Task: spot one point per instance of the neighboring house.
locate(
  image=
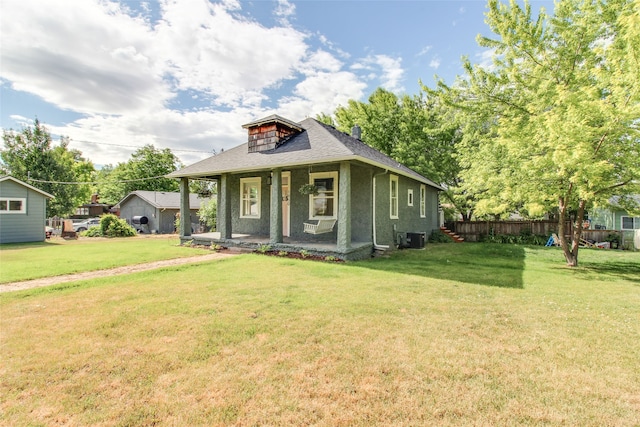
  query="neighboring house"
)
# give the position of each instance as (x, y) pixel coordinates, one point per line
(364, 199)
(618, 219)
(92, 209)
(155, 211)
(22, 211)
(615, 217)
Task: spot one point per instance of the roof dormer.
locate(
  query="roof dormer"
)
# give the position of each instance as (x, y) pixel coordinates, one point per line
(270, 132)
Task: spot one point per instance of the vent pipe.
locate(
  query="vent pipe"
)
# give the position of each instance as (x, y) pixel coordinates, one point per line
(356, 132)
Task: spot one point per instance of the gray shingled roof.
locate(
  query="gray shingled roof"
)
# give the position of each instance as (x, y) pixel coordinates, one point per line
(163, 199)
(318, 143)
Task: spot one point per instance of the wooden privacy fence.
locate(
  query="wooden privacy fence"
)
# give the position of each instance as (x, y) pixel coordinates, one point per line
(472, 230)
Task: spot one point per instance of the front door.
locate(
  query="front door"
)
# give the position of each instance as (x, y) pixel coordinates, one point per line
(286, 192)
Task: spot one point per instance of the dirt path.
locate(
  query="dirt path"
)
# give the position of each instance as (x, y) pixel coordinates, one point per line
(47, 281)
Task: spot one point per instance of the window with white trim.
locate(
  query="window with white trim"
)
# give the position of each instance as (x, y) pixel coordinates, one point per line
(13, 205)
(630, 223)
(423, 201)
(250, 197)
(393, 196)
(324, 205)
(410, 197)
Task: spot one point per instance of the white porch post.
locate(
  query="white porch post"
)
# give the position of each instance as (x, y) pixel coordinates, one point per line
(185, 209)
(344, 207)
(275, 224)
(223, 222)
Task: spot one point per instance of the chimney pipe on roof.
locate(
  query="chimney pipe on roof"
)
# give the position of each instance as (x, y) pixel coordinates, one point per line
(356, 132)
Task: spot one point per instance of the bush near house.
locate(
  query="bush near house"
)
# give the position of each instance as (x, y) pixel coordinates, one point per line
(111, 226)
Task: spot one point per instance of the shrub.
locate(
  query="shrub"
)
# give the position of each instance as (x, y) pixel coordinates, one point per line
(437, 236)
(523, 238)
(263, 249)
(92, 232)
(208, 213)
(112, 226)
(106, 221)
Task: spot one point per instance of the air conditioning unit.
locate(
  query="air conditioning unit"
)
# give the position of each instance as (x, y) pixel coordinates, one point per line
(416, 240)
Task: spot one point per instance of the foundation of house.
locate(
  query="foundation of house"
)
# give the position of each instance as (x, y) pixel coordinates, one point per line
(357, 251)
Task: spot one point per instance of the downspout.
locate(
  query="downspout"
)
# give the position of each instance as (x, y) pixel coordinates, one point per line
(375, 242)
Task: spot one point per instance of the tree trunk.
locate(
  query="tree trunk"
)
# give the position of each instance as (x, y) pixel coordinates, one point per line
(570, 252)
(576, 234)
(572, 260)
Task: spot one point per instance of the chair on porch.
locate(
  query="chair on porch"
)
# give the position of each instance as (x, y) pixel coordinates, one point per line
(323, 226)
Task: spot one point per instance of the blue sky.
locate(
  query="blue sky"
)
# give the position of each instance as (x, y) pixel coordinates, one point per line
(187, 74)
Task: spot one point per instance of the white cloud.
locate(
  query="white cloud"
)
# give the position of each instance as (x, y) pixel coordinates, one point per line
(80, 56)
(320, 60)
(284, 10)
(392, 72)
(435, 62)
(183, 132)
(322, 92)
(425, 50)
(128, 76)
(227, 56)
(485, 58)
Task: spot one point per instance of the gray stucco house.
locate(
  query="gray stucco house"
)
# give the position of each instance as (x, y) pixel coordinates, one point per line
(22, 211)
(159, 208)
(359, 200)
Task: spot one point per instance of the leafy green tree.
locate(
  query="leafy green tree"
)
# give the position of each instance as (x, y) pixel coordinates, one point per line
(144, 171)
(326, 119)
(208, 212)
(379, 119)
(563, 98)
(30, 156)
(203, 188)
(418, 131)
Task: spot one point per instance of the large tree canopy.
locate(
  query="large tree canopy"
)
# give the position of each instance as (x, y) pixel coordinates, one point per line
(417, 131)
(30, 156)
(563, 98)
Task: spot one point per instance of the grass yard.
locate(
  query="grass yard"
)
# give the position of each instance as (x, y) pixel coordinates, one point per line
(471, 334)
(57, 256)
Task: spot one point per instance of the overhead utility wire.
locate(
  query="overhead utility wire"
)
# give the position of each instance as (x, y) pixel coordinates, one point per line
(94, 182)
(137, 146)
(106, 182)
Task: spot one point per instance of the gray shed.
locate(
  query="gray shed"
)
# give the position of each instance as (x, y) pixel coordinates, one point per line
(22, 211)
(155, 211)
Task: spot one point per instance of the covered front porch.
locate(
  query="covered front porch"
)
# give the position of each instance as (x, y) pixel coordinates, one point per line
(258, 209)
(356, 251)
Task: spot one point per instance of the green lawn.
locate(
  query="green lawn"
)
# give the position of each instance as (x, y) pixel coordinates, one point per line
(470, 334)
(58, 256)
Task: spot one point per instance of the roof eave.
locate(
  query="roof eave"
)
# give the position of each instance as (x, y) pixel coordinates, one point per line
(31, 187)
(399, 171)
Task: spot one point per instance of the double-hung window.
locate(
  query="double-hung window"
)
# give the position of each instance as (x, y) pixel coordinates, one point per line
(630, 223)
(324, 204)
(423, 201)
(13, 205)
(250, 197)
(393, 196)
